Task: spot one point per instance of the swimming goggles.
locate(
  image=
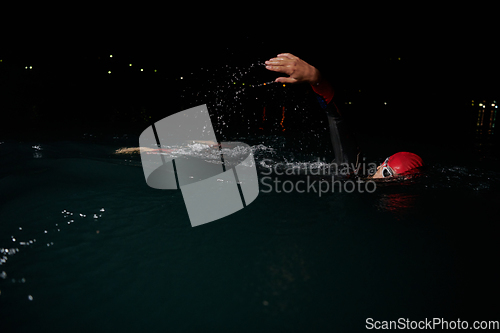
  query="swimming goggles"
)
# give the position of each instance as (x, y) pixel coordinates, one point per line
(386, 170)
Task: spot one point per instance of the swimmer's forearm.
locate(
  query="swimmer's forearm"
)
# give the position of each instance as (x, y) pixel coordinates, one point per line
(323, 88)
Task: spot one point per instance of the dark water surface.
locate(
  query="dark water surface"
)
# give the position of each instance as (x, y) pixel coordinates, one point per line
(87, 246)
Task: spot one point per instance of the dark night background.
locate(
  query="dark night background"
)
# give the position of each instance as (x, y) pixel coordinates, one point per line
(427, 70)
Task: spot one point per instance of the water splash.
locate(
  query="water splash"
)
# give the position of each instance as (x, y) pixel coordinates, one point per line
(26, 238)
(236, 95)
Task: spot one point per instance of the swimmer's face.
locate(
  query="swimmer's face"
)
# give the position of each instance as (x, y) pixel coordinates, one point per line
(384, 171)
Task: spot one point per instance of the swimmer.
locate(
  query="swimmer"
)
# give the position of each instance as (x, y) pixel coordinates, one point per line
(402, 163)
(344, 145)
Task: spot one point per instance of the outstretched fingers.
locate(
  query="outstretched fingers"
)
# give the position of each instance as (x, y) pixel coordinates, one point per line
(287, 55)
(278, 67)
(286, 80)
(285, 63)
(297, 69)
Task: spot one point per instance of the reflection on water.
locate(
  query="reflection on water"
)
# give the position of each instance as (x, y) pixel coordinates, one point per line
(267, 122)
(404, 198)
(484, 140)
(399, 204)
(486, 116)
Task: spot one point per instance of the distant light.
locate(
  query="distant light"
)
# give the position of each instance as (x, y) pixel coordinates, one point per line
(181, 77)
(111, 56)
(142, 70)
(109, 72)
(480, 104)
(264, 84)
(129, 65)
(493, 104)
(156, 70)
(399, 58)
(385, 103)
(242, 84)
(26, 67)
(1, 60)
(284, 85)
(31, 67)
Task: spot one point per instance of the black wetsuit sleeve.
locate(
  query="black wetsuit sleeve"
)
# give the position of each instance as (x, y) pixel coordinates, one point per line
(343, 141)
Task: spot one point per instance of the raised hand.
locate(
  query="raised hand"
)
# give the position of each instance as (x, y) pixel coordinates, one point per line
(297, 69)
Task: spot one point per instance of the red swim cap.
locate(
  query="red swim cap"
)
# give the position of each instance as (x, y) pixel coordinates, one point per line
(403, 162)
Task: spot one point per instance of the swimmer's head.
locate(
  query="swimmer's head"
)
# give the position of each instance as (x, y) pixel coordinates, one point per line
(398, 164)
